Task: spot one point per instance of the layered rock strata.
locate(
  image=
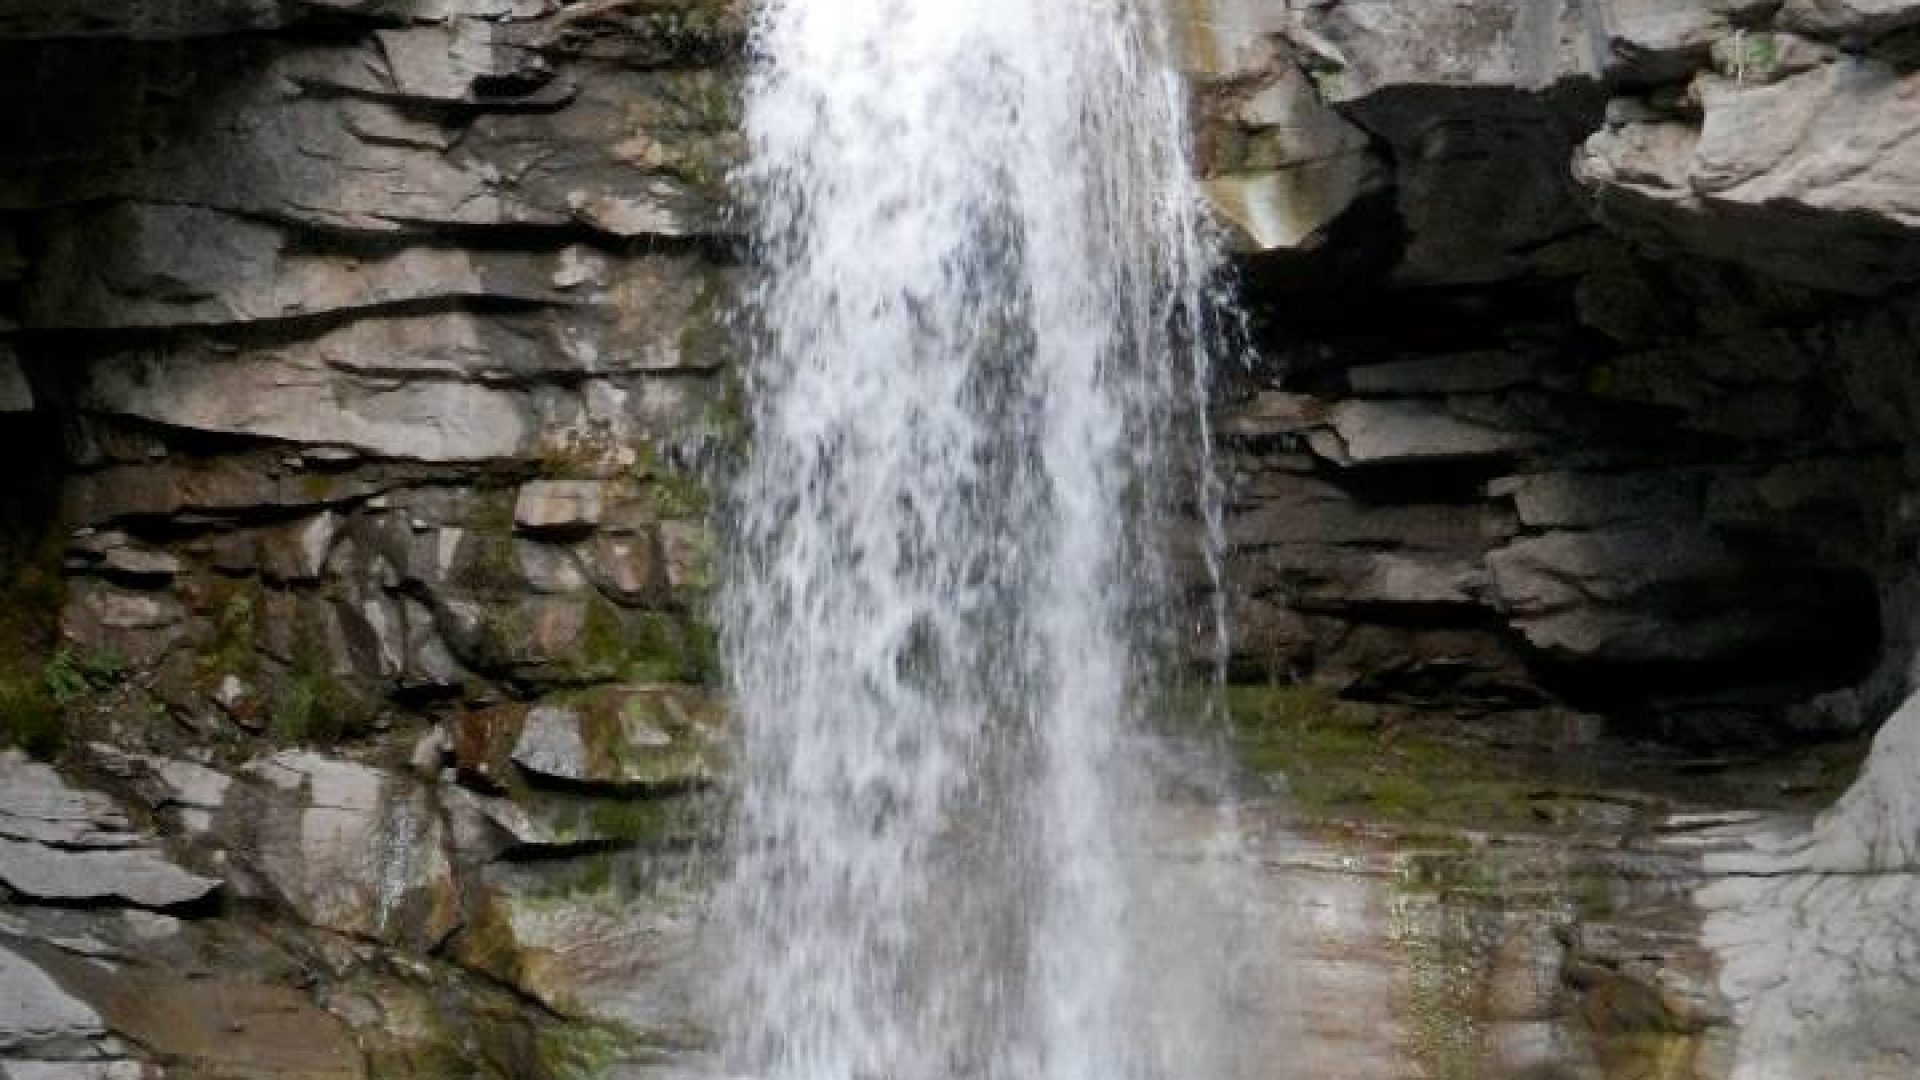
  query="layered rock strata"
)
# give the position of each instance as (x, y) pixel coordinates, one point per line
(1583, 337)
(365, 377)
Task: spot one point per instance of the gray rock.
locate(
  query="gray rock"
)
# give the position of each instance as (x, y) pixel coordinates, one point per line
(1507, 44)
(141, 877)
(38, 807)
(1660, 592)
(160, 266)
(1287, 209)
(1804, 178)
(1224, 39)
(558, 506)
(297, 553)
(623, 954)
(1815, 931)
(1478, 102)
(551, 745)
(1853, 21)
(1305, 166)
(1399, 432)
(626, 568)
(114, 554)
(206, 1023)
(1651, 41)
(428, 661)
(194, 792)
(454, 63)
(624, 738)
(293, 399)
(351, 849)
(35, 1010)
(77, 1070)
(549, 568)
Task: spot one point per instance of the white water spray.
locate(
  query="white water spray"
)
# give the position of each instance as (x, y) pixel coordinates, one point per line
(976, 397)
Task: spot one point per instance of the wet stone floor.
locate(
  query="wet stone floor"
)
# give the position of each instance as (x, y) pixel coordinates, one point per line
(1456, 907)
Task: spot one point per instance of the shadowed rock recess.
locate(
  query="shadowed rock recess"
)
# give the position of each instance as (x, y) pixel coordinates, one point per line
(366, 377)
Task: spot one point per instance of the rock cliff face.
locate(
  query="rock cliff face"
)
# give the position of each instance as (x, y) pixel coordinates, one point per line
(1584, 373)
(363, 364)
(365, 378)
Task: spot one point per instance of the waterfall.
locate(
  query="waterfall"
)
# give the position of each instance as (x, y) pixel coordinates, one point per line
(979, 360)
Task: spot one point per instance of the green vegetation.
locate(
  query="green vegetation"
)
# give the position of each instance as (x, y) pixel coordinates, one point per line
(33, 703)
(34, 592)
(1327, 81)
(488, 565)
(583, 452)
(677, 495)
(581, 1051)
(318, 707)
(1339, 756)
(73, 676)
(29, 719)
(641, 647)
(635, 821)
(1748, 55)
(235, 627)
(702, 653)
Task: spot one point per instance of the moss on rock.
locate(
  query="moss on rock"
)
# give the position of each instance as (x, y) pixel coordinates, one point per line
(1337, 756)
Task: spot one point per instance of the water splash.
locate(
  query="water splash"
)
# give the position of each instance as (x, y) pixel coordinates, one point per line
(976, 401)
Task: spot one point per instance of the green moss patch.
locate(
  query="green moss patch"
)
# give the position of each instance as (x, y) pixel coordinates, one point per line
(1338, 757)
(317, 707)
(34, 592)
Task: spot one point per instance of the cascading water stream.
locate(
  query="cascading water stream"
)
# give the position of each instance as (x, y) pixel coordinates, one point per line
(979, 361)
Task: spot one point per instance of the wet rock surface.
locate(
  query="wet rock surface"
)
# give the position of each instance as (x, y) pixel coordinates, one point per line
(365, 375)
(1459, 906)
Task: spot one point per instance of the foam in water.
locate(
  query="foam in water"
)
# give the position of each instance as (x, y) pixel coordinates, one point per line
(974, 397)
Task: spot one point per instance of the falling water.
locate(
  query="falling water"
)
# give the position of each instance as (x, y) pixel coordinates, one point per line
(975, 393)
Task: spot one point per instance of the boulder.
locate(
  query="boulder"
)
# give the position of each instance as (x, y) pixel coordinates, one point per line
(626, 568)
(1224, 39)
(602, 944)
(1402, 432)
(1812, 928)
(197, 791)
(623, 739)
(37, 1015)
(350, 848)
(558, 507)
(297, 553)
(1299, 168)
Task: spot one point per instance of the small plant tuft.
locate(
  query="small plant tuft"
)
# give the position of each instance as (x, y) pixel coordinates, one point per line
(73, 676)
